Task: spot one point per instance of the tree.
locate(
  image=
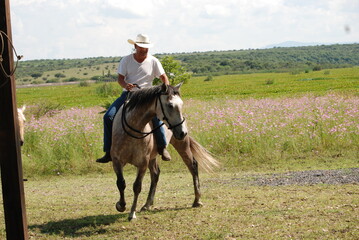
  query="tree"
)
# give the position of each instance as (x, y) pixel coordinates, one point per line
(36, 75)
(60, 75)
(174, 70)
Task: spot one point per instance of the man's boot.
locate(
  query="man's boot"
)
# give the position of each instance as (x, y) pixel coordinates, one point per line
(165, 154)
(105, 159)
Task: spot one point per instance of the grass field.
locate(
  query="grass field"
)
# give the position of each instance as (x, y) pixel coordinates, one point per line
(288, 123)
(254, 124)
(82, 73)
(83, 207)
(245, 86)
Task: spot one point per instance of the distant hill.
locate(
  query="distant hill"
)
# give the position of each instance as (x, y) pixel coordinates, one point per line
(273, 59)
(277, 59)
(294, 44)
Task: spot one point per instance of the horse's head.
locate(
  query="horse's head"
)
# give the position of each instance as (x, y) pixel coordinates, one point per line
(169, 110)
(21, 119)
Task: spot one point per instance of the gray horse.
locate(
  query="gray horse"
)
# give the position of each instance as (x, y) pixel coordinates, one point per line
(133, 143)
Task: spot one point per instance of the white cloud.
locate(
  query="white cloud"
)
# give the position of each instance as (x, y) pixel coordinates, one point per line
(217, 10)
(90, 28)
(26, 2)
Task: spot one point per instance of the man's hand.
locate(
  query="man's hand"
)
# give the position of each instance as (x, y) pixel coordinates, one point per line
(129, 86)
(164, 79)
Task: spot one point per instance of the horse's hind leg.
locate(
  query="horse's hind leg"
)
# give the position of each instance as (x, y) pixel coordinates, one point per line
(184, 150)
(193, 167)
(137, 187)
(121, 185)
(155, 174)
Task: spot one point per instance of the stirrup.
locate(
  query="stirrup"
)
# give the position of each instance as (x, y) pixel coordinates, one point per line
(165, 154)
(105, 159)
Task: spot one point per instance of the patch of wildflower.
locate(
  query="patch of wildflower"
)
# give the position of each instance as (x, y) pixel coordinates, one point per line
(258, 128)
(305, 123)
(67, 141)
(74, 121)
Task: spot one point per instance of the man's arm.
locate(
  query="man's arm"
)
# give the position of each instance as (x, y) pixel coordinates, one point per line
(123, 83)
(121, 80)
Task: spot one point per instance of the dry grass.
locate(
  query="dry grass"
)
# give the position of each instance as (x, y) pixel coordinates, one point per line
(82, 207)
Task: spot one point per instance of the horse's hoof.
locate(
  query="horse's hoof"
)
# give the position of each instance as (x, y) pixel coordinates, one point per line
(120, 208)
(132, 216)
(197, 204)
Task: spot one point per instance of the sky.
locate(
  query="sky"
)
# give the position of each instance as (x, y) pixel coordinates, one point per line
(63, 29)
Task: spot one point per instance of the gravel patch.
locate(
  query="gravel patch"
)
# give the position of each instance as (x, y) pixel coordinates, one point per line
(339, 176)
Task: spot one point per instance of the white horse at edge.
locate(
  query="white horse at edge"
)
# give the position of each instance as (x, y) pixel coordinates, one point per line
(21, 120)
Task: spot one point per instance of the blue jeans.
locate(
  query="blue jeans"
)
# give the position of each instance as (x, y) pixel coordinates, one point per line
(110, 115)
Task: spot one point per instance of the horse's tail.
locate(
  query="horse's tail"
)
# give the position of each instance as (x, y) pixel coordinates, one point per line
(205, 159)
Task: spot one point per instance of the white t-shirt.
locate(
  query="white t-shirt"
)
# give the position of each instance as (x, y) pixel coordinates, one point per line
(143, 73)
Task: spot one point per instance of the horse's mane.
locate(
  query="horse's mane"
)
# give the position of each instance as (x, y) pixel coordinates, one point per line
(146, 96)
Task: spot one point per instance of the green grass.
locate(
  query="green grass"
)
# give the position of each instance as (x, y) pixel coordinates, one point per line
(221, 87)
(67, 96)
(79, 202)
(284, 85)
(83, 207)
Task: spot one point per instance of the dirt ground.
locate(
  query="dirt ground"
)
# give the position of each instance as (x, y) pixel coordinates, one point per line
(339, 176)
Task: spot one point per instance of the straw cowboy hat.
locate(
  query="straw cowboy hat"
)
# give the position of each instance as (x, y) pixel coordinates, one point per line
(142, 40)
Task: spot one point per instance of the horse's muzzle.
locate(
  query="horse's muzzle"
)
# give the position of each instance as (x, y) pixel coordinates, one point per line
(179, 135)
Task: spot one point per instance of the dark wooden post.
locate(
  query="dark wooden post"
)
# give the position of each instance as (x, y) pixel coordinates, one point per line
(10, 155)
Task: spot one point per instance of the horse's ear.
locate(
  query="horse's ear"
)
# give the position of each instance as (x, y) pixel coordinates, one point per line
(22, 109)
(164, 88)
(177, 87)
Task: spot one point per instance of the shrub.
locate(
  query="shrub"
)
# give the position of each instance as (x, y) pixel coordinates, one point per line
(52, 81)
(72, 79)
(37, 82)
(317, 68)
(109, 78)
(96, 78)
(44, 108)
(209, 78)
(269, 81)
(295, 72)
(36, 75)
(107, 89)
(175, 71)
(108, 102)
(60, 75)
(84, 84)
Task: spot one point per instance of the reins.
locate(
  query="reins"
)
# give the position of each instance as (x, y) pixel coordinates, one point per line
(145, 134)
(165, 117)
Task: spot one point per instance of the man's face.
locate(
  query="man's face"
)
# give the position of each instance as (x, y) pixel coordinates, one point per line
(141, 51)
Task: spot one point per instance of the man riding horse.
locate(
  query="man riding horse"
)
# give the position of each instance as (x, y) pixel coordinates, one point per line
(136, 71)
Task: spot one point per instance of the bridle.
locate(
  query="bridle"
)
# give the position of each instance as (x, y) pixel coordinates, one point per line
(165, 117)
(145, 134)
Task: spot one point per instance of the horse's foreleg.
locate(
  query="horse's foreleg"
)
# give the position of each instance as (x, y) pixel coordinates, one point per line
(121, 185)
(137, 187)
(184, 150)
(155, 174)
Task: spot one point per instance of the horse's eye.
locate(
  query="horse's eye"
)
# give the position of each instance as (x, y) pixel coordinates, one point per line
(170, 106)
